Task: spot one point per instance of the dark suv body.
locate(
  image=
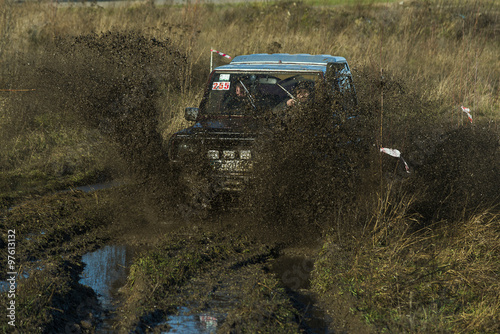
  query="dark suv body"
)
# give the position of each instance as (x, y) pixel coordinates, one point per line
(217, 151)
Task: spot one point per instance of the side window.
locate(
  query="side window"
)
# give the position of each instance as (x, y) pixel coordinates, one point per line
(338, 77)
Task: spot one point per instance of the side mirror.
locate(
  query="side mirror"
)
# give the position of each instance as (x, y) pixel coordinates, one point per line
(191, 114)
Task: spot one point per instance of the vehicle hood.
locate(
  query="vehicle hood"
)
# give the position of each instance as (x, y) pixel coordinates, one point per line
(225, 124)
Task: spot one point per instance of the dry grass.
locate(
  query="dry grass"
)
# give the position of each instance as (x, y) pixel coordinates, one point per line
(449, 47)
(416, 64)
(442, 278)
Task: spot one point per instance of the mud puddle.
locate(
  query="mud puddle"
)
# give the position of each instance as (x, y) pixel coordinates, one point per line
(217, 295)
(98, 186)
(215, 313)
(186, 322)
(106, 272)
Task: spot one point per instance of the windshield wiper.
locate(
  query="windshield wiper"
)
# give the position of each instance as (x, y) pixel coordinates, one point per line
(289, 94)
(250, 98)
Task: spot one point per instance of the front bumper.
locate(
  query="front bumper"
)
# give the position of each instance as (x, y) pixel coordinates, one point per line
(231, 175)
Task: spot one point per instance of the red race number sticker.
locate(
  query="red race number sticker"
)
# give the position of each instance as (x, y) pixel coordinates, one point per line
(221, 86)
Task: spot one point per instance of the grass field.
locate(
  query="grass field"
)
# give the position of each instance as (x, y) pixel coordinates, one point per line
(85, 91)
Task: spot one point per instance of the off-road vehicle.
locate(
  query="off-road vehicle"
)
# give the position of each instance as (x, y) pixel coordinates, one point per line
(216, 154)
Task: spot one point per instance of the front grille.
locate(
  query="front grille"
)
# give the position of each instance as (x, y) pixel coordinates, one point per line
(231, 160)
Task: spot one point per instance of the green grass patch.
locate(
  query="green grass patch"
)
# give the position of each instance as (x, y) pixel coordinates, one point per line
(166, 275)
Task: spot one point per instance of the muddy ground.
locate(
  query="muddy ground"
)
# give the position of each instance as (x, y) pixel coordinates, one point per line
(248, 270)
(224, 272)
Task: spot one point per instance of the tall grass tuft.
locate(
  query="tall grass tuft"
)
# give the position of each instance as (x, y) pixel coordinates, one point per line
(441, 278)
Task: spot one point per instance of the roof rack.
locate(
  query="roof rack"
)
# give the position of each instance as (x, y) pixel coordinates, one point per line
(286, 58)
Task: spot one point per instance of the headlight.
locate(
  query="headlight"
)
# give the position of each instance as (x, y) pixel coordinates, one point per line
(181, 149)
(245, 155)
(186, 147)
(229, 155)
(213, 154)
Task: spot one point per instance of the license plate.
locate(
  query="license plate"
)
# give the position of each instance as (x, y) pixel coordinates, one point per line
(234, 166)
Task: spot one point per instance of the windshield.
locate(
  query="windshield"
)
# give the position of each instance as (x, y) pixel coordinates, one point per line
(246, 93)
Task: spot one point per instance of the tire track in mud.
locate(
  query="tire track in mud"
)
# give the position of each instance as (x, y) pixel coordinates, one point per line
(219, 287)
(216, 272)
(225, 285)
(233, 285)
(53, 232)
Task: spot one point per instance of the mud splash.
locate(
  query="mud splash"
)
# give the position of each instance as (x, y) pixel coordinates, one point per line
(112, 82)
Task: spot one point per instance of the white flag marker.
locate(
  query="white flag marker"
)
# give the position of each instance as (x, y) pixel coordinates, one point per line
(392, 152)
(396, 154)
(221, 54)
(467, 111)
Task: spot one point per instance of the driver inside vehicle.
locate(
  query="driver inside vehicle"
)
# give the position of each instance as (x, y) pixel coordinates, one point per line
(238, 99)
(302, 94)
(283, 114)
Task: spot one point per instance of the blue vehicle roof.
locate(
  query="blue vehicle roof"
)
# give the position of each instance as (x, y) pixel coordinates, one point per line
(281, 62)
